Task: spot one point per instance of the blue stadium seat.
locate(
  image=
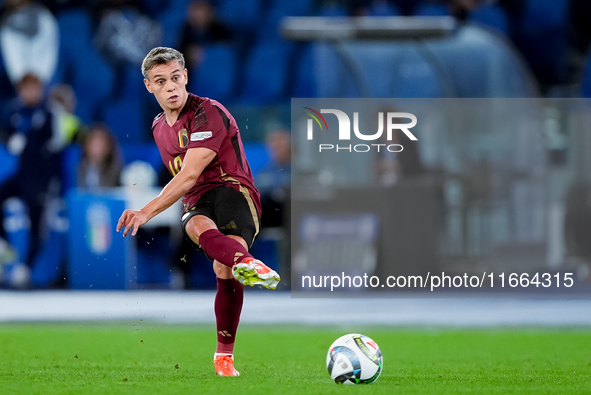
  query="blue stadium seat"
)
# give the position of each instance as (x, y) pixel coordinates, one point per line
(133, 87)
(257, 156)
(383, 8)
(147, 152)
(250, 122)
(266, 72)
(416, 78)
(333, 9)
(215, 77)
(267, 251)
(126, 120)
(491, 16)
(240, 14)
(71, 157)
(394, 70)
(332, 78)
(153, 269)
(305, 85)
(269, 30)
(93, 82)
(541, 15)
(172, 21)
(432, 9)
(294, 8)
(75, 32)
(155, 7)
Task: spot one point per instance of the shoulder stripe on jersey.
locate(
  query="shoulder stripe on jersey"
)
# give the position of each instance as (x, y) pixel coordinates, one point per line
(156, 119)
(234, 139)
(236, 145)
(224, 118)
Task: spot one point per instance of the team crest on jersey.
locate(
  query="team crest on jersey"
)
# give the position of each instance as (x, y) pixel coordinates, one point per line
(183, 138)
(198, 136)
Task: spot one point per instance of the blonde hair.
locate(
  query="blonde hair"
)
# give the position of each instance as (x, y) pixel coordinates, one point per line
(161, 55)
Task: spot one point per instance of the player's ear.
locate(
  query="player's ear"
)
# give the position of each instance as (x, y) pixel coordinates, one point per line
(186, 73)
(147, 84)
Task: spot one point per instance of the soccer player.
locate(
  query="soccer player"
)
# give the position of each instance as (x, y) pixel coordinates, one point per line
(200, 145)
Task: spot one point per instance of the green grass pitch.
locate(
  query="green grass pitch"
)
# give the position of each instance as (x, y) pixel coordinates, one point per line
(146, 358)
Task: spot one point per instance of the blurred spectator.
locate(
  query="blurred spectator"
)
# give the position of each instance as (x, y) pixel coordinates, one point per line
(29, 134)
(63, 101)
(274, 180)
(460, 9)
(201, 28)
(124, 33)
(100, 166)
(29, 40)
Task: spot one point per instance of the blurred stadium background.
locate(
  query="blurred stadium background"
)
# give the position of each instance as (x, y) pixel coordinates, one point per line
(238, 54)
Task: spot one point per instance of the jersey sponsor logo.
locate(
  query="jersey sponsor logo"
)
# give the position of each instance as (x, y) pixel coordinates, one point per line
(183, 138)
(198, 136)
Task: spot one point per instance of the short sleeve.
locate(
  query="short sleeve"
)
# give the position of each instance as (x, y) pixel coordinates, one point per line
(207, 128)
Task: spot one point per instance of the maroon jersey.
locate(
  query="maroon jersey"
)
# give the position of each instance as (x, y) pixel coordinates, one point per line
(206, 123)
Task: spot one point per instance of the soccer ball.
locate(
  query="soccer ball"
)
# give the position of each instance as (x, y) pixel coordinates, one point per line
(354, 359)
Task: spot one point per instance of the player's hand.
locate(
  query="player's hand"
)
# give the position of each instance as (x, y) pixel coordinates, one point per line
(132, 219)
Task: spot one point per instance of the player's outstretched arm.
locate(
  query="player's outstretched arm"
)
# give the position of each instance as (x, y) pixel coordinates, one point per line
(195, 161)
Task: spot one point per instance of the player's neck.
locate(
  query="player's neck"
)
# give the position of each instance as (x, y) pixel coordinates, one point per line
(172, 115)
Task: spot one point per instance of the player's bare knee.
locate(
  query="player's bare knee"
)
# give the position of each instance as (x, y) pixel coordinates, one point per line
(197, 225)
(192, 232)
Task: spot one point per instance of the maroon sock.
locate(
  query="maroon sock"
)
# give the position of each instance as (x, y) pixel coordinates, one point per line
(227, 306)
(222, 248)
